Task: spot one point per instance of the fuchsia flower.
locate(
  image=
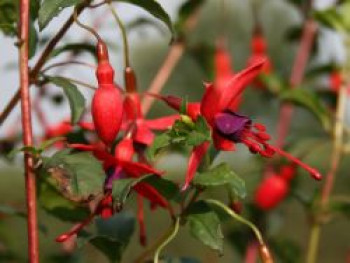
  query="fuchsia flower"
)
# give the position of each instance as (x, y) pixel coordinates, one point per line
(121, 166)
(142, 132)
(219, 108)
(275, 188)
(117, 167)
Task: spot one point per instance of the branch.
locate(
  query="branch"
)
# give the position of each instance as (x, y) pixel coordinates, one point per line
(173, 57)
(39, 64)
(297, 75)
(33, 244)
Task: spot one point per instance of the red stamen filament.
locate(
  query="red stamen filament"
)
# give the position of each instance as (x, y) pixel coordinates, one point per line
(313, 172)
(141, 220)
(75, 229)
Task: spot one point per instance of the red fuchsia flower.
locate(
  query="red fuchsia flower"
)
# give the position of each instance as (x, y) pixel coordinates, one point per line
(258, 53)
(219, 108)
(117, 167)
(275, 188)
(121, 166)
(107, 109)
(335, 80)
(142, 132)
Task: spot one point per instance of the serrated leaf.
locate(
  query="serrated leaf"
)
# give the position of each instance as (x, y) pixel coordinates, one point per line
(219, 175)
(52, 201)
(165, 187)
(159, 142)
(51, 8)
(310, 101)
(120, 226)
(190, 133)
(79, 174)
(109, 246)
(122, 188)
(155, 9)
(75, 98)
(205, 225)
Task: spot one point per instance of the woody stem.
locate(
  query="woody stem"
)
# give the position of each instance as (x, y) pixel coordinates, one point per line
(30, 180)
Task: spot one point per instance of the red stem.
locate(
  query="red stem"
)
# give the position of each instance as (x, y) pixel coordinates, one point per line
(39, 64)
(33, 244)
(296, 78)
(251, 254)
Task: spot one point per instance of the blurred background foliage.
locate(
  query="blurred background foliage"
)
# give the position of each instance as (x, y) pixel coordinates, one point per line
(287, 227)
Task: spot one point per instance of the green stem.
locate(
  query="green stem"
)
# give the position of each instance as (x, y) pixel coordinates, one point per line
(123, 32)
(313, 243)
(338, 134)
(167, 240)
(153, 247)
(238, 218)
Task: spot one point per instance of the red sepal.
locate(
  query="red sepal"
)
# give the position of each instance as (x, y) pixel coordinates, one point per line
(195, 159)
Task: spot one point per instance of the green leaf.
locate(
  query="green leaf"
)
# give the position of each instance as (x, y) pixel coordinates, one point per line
(8, 17)
(33, 39)
(286, 250)
(25, 149)
(184, 131)
(179, 260)
(78, 174)
(314, 72)
(340, 206)
(11, 211)
(51, 8)
(9, 11)
(155, 9)
(273, 83)
(205, 225)
(310, 101)
(109, 246)
(160, 141)
(122, 188)
(75, 98)
(120, 226)
(50, 142)
(52, 201)
(75, 48)
(113, 235)
(203, 55)
(220, 175)
(165, 187)
(185, 10)
(331, 18)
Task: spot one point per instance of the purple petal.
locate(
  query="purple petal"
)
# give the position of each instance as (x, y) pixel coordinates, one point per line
(229, 123)
(115, 174)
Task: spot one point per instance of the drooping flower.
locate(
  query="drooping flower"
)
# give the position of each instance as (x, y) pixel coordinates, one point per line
(117, 167)
(219, 108)
(142, 132)
(275, 188)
